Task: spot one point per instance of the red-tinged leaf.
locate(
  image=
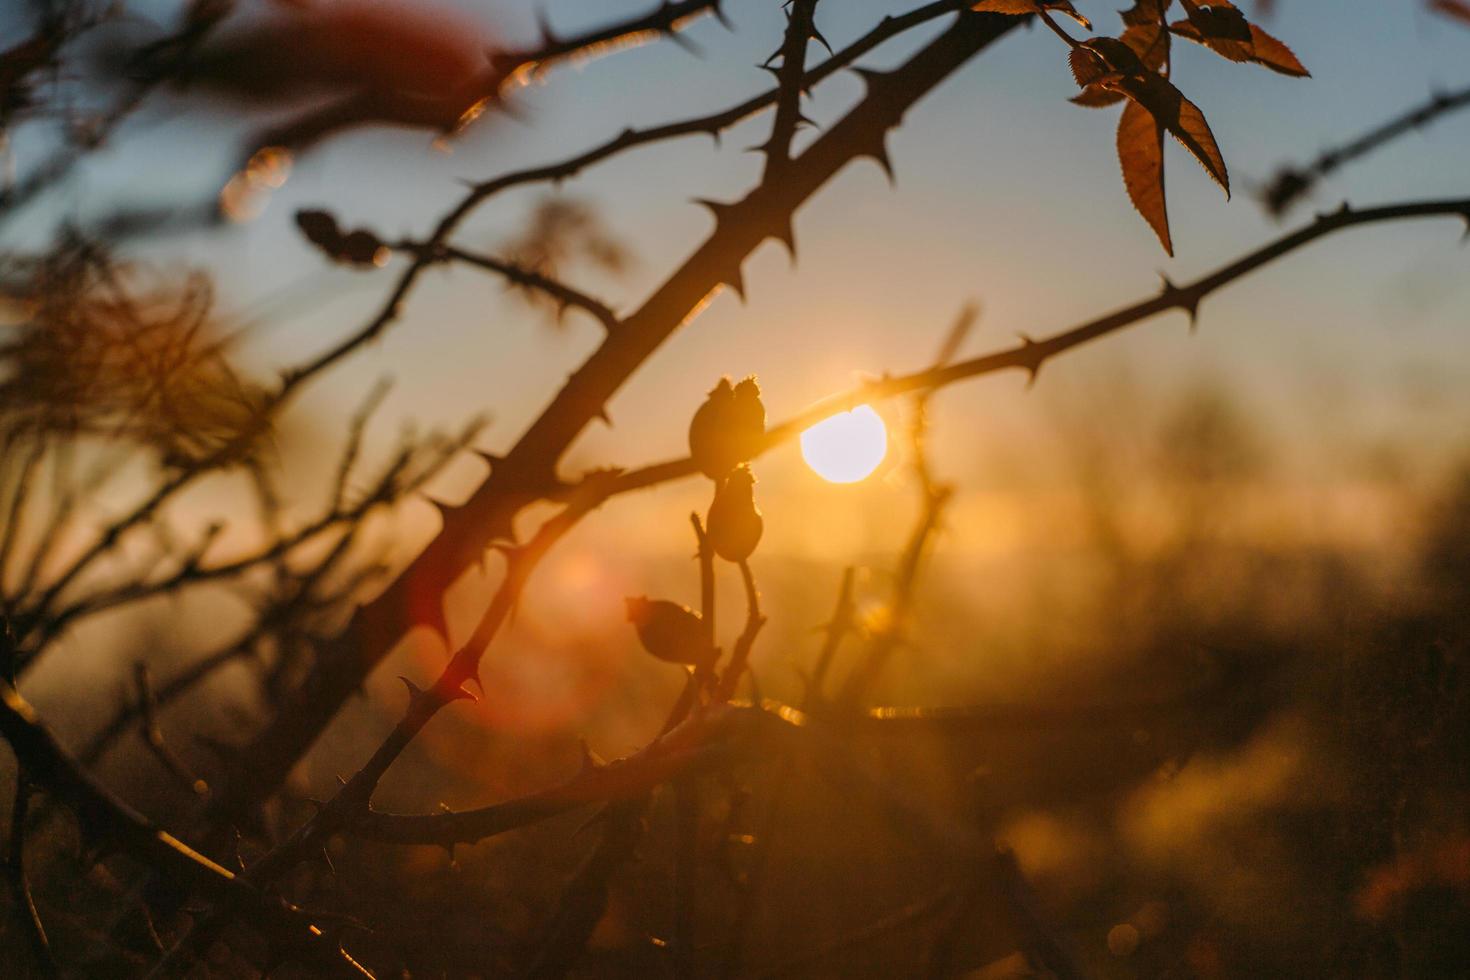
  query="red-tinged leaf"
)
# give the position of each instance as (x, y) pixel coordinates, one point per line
(1115, 55)
(1150, 41)
(1097, 97)
(1145, 12)
(1261, 48)
(1087, 66)
(1276, 56)
(1019, 7)
(1141, 155)
(1454, 9)
(1184, 121)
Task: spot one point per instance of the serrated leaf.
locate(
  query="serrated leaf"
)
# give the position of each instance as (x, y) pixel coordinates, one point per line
(1272, 54)
(1183, 119)
(1223, 29)
(1145, 12)
(1019, 7)
(1097, 97)
(1141, 155)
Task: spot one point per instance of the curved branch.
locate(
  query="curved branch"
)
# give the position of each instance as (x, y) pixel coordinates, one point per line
(1029, 355)
(527, 473)
(111, 823)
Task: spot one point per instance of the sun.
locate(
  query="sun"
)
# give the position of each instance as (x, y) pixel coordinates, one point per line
(846, 447)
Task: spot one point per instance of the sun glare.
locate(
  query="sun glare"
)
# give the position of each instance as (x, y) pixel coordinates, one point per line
(846, 447)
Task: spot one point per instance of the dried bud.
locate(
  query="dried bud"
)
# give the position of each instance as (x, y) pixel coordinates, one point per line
(728, 428)
(359, 247)
(670, 631)
(734, 523)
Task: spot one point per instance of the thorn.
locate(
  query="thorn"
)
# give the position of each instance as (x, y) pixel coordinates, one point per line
(683, 42)
(548, 37)
(880, 156)
(1033, 362)
(440, 506)
(874, 80)
(773, 69)
(590, 760)
(786, 236)
(720, 15)
(717, 208)
(736, 279)
(816, 35)
(462, 693)
(602, 416)
(414, 691)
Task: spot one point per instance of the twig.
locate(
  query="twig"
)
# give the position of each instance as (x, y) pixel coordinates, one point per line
(1029, 355)
(800, 29)
(111, 823)
(740, 655)
(20, 886)
(560, 293)
(527, 472)
(837, 628)
(1292, 183)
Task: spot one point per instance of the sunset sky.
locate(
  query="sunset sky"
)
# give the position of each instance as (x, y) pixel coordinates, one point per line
(1006, 194)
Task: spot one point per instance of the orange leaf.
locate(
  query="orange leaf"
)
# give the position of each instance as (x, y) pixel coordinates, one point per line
(1183, 119)
(1223, 29)
(1018, 7)
(1141, 155)
(1276, 56)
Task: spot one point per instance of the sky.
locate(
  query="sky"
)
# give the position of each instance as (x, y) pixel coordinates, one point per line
(1006, 194)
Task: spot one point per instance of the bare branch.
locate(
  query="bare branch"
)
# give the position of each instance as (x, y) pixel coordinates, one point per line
(1292, 183)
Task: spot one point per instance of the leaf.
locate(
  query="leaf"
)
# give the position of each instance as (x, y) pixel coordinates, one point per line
(1141, 155)
(1147, 36)
(1223, 29)
(1019, 7)
(1183, 119)
(1276, 56)
(1454, 9)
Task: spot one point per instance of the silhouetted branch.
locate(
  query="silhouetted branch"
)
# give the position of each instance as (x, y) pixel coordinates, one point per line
(740, 654)
(560, 293)
(1292, 183)
(528, 471)
(1030, 354)
(110, 823)
(20, 887)
(800, 29)
(152, 731)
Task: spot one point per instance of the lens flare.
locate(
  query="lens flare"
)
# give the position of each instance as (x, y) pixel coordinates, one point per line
(846, 447)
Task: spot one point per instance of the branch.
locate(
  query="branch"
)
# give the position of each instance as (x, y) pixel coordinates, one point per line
(111, 823)
(1029, 355)
(1292, 183)
(562, 295)
(740, 655)
(800, 29)
(527, 473)
(20, 887)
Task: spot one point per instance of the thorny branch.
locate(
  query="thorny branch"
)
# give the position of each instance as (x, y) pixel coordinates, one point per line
(111, 824)
(527, 472)
(1030, 354)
